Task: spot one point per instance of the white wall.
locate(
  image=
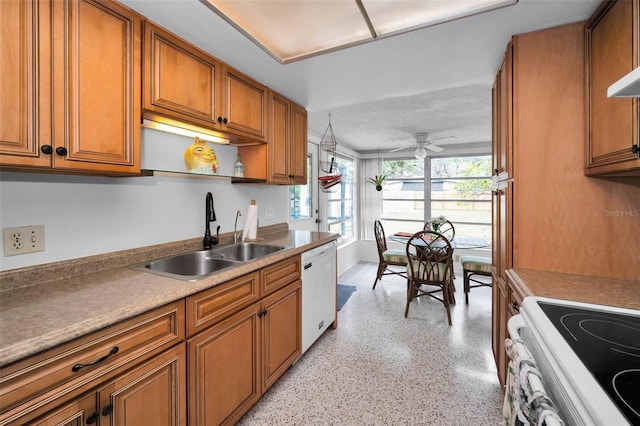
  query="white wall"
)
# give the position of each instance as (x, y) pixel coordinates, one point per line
(86, 216)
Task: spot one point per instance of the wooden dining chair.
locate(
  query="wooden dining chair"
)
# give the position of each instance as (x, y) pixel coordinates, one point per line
(387, 259)
(429, 269)
(472, 266)
(448, 230)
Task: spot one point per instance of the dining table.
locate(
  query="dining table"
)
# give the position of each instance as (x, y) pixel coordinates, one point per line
(457, 242)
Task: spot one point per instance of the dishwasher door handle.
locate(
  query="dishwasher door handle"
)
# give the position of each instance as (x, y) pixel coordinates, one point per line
(308, 265)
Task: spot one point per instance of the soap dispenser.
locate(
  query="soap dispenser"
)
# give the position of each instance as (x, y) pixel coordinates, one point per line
(238, 168)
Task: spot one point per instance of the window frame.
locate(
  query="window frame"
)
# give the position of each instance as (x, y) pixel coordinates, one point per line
(352, 199)
(428, 180)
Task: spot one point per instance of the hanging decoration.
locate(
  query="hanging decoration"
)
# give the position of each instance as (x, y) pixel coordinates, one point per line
(377, 181)
(327, 161)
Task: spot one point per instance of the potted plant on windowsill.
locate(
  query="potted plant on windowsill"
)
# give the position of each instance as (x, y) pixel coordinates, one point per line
(377, 181)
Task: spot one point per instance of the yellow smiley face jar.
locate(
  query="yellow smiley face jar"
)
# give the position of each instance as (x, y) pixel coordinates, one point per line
(201, 158)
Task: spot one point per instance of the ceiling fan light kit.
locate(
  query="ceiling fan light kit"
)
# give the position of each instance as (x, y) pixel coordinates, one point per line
(420, 153)
(422, 143)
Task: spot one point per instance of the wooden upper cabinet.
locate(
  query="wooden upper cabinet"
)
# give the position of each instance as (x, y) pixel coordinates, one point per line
(184, 83)
(25, 60)
(280, 139)
(298, 145)
(75, 101)
(180, 80)
(612, 46)
(503, 118)
(284, 159)
(243, 106)
(97, 101)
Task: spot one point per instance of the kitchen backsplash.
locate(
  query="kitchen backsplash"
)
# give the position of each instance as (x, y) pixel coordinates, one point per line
(85, 216)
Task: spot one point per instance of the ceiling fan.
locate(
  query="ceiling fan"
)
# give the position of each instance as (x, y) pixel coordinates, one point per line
(422, 143)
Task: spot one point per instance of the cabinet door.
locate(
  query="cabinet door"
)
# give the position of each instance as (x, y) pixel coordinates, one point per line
(79, 412)
(505, 104)
(612, 52)
(96, 86)
(180, 81)
(279, 141)
(244, 106)
(298, 145)
(499, 333)
(224, 373)
(153, 394)
(502, 253)
(505, 229)
(25, 61)
(282, 332)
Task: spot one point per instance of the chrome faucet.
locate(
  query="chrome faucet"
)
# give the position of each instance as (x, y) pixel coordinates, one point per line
(235, 226)
(210, 216)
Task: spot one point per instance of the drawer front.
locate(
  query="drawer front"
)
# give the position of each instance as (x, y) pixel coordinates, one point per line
(210, 306)
(280, 274)
(76, 366)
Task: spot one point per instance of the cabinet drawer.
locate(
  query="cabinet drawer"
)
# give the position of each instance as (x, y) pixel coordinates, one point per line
(209, 306)
(279, 274)
(73, 367)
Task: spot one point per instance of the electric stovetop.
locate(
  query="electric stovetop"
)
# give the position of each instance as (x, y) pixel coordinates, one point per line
(608, 343)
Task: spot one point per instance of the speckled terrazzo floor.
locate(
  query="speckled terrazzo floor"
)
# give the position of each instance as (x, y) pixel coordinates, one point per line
(379, 368)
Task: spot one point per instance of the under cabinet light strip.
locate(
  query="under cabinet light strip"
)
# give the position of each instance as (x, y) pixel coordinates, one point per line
(155, 125)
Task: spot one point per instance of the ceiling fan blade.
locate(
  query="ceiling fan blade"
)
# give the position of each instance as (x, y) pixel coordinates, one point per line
(442, 137)
(400, 149)
(434, 148)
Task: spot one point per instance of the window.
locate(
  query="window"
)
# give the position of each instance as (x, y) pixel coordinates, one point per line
(458, 188)
(300, 197)
(340, 201)
(403, 196)
(461, 191)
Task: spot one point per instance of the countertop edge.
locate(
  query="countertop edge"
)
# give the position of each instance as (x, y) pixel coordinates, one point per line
(579, 288)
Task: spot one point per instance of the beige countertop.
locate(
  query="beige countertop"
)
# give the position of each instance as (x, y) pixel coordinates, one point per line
(598, 290)
(65, 306)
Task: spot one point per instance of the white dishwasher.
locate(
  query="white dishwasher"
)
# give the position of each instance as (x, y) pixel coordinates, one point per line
(319, 287)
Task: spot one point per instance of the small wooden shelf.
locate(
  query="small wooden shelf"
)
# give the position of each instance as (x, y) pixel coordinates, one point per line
(170, 173)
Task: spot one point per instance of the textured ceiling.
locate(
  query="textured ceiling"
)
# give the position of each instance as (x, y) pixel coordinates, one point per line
(463, 112)
(435, 80)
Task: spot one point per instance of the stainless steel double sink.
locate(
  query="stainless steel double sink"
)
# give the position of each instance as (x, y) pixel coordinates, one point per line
(196, 265)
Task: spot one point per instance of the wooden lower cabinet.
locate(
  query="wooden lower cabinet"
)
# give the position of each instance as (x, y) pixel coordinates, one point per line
(153, 394)
(233, 362)
(282, 332)
(224, 378)
(242, 336)
(75, 413)
(500, 316)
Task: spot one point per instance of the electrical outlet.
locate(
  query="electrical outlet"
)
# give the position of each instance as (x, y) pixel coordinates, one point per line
(24, 239)
(268, 213)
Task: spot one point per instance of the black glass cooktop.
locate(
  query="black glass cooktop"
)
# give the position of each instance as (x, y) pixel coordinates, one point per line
(608, 344)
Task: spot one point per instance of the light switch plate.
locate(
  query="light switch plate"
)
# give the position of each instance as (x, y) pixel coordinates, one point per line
(268, 213)
(23, 239)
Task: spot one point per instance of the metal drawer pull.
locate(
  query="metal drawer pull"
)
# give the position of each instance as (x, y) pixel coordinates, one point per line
(78, 367)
